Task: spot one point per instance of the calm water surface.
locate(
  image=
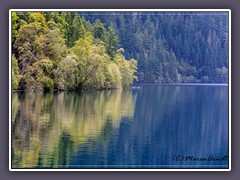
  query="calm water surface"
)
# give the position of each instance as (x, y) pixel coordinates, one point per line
(149, 127)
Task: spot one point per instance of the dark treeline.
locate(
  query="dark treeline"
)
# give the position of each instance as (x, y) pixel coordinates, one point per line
(61, 50)
(173, 46)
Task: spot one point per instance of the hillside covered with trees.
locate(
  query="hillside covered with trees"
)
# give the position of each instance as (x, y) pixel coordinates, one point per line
(97, 50)
(63, 51)
(173, 46)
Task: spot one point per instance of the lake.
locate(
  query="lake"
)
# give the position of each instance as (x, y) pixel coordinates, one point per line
(152, 126)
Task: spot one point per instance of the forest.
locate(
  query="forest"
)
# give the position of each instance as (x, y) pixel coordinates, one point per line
(63, 51)
(99, 50)
(173, 47)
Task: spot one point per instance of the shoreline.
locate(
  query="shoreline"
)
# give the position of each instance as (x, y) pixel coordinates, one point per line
(134, 86)
(185, 84)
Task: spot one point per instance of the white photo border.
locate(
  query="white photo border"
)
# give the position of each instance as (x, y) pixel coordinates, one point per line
(120, 10)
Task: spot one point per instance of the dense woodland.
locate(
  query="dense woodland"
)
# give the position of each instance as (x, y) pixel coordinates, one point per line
(173, 46)
(70, 50)
(63, 51)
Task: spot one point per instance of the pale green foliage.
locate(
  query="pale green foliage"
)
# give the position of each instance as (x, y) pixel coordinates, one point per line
(127, 69)
(39, 19)
(113, 76)
(38, 53)
(22, 22)
(60, 23)
(47, 83)
(53, 44)
(96, 70)
(51, 25)
(66, 73)
(14, 26)
(31, 78)
(90, 59)
(45, 62)
(133, 68)
(15, 73)
(36, 76)
(26, 44)
(78, 29)
(120, 50)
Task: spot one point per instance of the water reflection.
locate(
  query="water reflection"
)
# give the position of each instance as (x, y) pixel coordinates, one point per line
(168, 121)
(139, 128)
(175, 120)
(48, 128)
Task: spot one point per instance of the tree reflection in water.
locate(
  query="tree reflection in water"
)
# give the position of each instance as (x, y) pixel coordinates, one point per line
(47, 129)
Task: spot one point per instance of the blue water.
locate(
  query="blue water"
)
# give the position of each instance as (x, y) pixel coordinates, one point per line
(151, 126)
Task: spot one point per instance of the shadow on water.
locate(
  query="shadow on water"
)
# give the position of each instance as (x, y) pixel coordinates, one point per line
(145, 127)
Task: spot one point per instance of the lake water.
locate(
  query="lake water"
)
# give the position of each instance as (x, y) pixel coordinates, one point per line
(151, 126)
